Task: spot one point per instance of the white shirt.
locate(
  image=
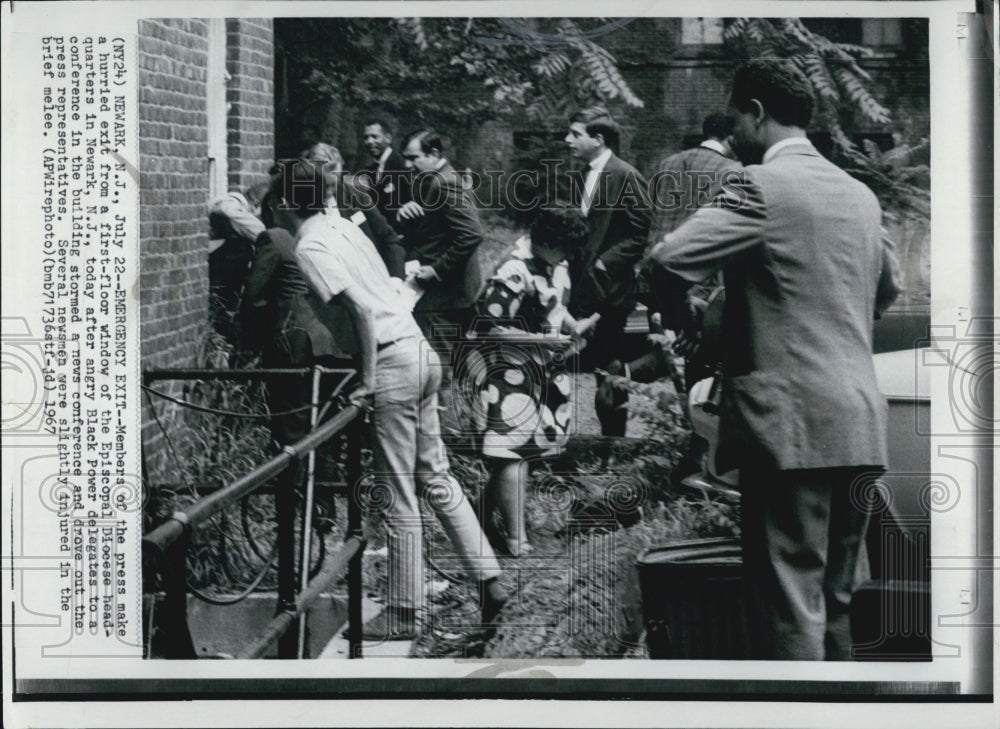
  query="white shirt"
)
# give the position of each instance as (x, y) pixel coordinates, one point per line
(334, 254)
(243, 222)
(778, 146)
(715, 146)
(593, 175)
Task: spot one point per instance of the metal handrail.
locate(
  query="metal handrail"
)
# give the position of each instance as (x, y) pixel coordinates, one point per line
(338, 565)
(166, 545)
(171, 530)
(193, 373)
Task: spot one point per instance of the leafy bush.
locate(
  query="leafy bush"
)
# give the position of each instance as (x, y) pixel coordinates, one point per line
(840, 83)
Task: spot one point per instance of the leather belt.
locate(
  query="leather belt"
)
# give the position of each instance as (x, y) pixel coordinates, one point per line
(385, 345)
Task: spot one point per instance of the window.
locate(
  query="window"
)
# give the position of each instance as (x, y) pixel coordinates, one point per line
(701, 31)
(881, 32)
(216, 109)
(871, 32)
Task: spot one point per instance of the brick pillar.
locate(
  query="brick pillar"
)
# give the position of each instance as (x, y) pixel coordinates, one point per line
(250, 94)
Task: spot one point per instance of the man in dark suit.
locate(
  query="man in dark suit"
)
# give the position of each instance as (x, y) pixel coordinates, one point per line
(688, 179)
(233, 228)
(441, 230)
(615, 199)
(807, 271)
(683, 182)
(292, 329)
(387, 177)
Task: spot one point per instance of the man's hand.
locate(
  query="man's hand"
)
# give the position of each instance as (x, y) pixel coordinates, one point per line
(409, 211)
(583, 327)
(425, 275)
(363, 396)
(696, 308)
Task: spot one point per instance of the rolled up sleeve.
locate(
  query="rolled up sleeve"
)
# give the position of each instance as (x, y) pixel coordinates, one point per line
(244, 223)
(322, 268)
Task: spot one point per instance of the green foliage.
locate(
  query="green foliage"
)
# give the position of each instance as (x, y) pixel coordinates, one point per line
(900, 177)
(840, 83)
(452, 70)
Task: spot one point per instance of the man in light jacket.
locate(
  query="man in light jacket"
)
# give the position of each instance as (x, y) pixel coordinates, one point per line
(807, 271)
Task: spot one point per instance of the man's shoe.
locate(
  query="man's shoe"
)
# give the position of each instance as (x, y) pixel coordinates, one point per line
(393, 623)
(493, 598)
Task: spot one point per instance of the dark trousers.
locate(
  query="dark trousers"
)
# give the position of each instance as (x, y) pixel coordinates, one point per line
(610, 404)
(803, 553)
(285, 394)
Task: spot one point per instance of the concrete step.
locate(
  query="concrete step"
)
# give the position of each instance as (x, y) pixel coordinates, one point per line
(338, 645)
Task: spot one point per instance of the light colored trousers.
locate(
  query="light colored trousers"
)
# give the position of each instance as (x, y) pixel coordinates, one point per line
(411, 463)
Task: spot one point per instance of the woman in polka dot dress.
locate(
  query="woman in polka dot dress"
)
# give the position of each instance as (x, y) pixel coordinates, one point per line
(524, 336)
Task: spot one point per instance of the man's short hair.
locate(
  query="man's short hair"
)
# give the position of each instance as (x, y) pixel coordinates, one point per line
(560, 226)
(717, 126)
(783, 91)
(300, 185)
(430, 141)
(598, 120)
(381, 121)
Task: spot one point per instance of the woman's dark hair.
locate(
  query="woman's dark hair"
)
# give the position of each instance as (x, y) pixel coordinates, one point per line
(783, 91)
(560, 226)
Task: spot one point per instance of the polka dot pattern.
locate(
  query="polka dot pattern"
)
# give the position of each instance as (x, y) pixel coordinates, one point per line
(524, 390)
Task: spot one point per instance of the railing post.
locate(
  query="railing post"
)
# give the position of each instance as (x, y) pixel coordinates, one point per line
(307, 513)
(171, 636)
(284, 514)
(354, 529)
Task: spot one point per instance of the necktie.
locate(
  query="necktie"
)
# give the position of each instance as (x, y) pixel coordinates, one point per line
(589, 190)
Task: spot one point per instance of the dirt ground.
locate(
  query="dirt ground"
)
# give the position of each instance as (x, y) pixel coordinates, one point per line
(586, 418)
(577, 594)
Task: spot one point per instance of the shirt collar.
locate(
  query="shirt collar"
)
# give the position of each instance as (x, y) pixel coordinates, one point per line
(778, 146)
(714, 145)
(385, 156)
(597, 164)
(310, 224)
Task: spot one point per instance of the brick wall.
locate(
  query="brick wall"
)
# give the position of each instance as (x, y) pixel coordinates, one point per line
(173, 169)
(174, 183)
(250, 94)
